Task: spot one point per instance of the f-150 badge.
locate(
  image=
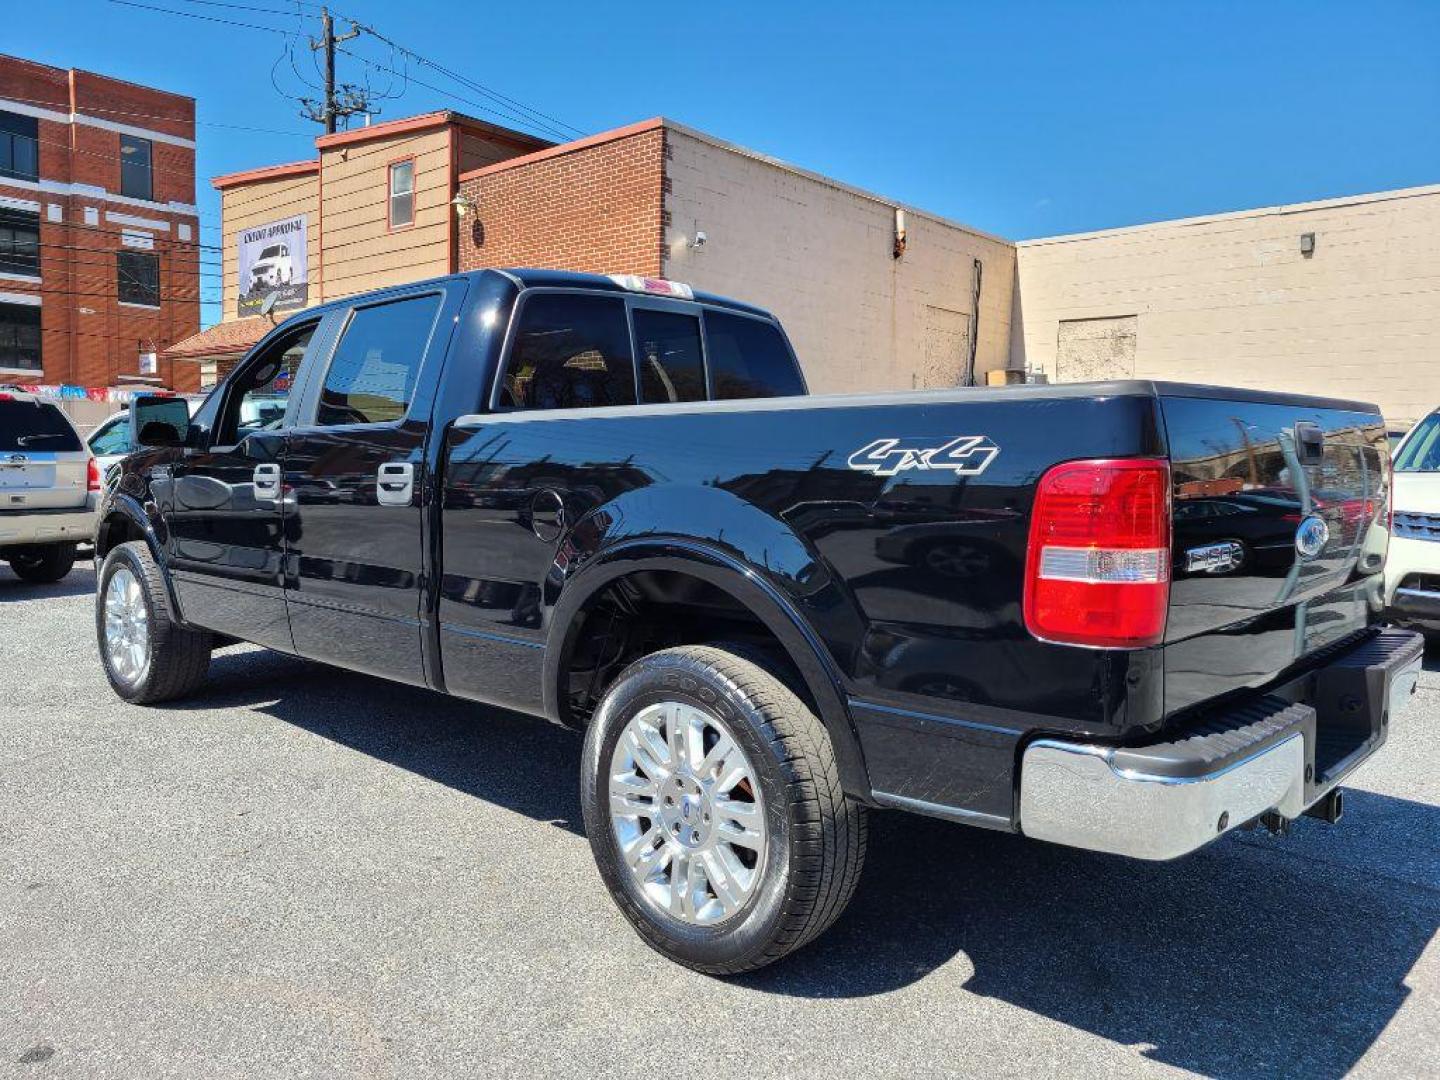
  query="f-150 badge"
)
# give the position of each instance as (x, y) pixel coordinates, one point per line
(967, 455)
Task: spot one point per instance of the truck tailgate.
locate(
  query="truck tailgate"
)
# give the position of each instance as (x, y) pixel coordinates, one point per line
(1277, 547)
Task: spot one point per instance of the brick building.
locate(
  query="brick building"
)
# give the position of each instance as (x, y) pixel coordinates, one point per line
(1339, 297)
(372, 208)
(874, 295)
(99, 267)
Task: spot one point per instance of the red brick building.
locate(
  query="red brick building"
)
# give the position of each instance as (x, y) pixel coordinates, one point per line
(99, 235)
(873, 294)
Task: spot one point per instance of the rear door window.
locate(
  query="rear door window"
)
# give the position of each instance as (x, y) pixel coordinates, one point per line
(372, 378)
(749, 359)
(672, 366)
(35, 425)
(569, 352)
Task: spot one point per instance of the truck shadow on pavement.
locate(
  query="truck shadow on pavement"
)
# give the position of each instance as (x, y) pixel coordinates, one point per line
(1255, 957)
(489, 753)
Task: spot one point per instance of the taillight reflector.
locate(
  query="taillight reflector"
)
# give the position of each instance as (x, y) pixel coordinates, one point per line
(92, 475)
(1098, 565)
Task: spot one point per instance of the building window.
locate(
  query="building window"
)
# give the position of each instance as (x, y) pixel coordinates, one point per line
(20, 336)
(19, 243)
(136, 178)
(19, 146)
(137, 278)
(402, 194)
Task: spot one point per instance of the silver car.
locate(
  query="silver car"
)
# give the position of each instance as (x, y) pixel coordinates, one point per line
(49, 488)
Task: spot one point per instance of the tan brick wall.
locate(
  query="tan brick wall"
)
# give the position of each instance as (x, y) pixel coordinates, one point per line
(820, 255)
(260, 202)
(594, 208)
(361, 251)
(1230, 299)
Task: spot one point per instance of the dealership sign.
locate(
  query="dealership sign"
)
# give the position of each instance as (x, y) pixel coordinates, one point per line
(272, 259)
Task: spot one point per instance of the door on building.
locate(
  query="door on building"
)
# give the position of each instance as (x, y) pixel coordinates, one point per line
(1092, 349)
(227, 527)
(947, 349)
(355, 464)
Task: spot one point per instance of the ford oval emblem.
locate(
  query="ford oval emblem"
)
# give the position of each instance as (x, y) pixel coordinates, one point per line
(1312, 536)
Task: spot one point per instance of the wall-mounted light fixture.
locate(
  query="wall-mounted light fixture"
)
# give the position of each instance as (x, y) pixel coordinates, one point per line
(462, 205)
(899, 233)
(699, 240)
(1307, 244)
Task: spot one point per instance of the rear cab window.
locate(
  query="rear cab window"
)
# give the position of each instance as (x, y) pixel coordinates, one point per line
(571, 350)
(749, 359)
(30, 426)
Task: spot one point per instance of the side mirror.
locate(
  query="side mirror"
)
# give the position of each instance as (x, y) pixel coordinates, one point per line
(159, 421)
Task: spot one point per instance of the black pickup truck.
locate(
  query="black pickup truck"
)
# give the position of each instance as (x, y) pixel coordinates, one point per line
(1125, 616)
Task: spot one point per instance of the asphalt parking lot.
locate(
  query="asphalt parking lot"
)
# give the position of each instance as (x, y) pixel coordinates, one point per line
(308, 873)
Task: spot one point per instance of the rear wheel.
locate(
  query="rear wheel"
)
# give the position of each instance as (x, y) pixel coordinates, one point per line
(714, 810)
(148, 656)
(43, 563)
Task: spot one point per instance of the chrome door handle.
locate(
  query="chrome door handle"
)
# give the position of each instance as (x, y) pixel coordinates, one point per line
(395, 483)
(266, 479)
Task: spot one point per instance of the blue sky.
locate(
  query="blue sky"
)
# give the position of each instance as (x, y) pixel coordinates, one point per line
(1024, 119)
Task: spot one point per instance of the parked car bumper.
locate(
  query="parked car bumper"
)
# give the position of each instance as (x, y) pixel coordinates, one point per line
(1284, 751)
(50, 526)
(1412, 582)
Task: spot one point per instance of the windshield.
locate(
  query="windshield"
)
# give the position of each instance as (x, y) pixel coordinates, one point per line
(35, 425)
(1421, 452)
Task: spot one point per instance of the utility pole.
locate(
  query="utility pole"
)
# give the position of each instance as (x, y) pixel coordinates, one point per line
(327, 112)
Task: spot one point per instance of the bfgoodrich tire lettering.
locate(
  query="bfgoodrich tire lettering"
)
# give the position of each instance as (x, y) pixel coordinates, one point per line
(814, 842)
(147, 655)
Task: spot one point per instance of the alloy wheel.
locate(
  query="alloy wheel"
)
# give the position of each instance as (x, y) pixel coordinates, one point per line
(686, 811)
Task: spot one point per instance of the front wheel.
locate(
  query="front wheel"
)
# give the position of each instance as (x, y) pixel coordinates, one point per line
(713, 805)
(44, 563)
(148, 656)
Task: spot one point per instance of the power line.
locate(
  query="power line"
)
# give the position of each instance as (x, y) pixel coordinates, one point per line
(103, 256)
(552, 124)
(158, 116)
(206, 18)
(469, 102)
(179, 245)
(246, 7)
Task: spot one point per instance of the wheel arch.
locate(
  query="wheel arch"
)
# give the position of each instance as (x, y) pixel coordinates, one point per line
(123, 519)
(769, 607)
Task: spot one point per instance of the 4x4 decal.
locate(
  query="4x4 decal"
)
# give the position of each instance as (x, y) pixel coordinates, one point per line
(965, 455)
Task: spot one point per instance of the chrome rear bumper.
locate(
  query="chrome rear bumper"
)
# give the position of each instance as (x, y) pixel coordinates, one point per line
(1161, 802)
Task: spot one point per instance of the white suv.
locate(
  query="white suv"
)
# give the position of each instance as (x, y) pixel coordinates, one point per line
(49, 488)
(1412, 568)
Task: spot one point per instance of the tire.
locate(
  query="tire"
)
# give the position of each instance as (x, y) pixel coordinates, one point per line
(161, 660)
(43, 564)
(808, 857)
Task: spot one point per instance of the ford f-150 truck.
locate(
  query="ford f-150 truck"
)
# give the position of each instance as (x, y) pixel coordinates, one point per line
(1126, 616)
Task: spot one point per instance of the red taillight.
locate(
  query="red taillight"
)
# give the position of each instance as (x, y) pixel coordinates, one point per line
(92, 475)
(1098, 567)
